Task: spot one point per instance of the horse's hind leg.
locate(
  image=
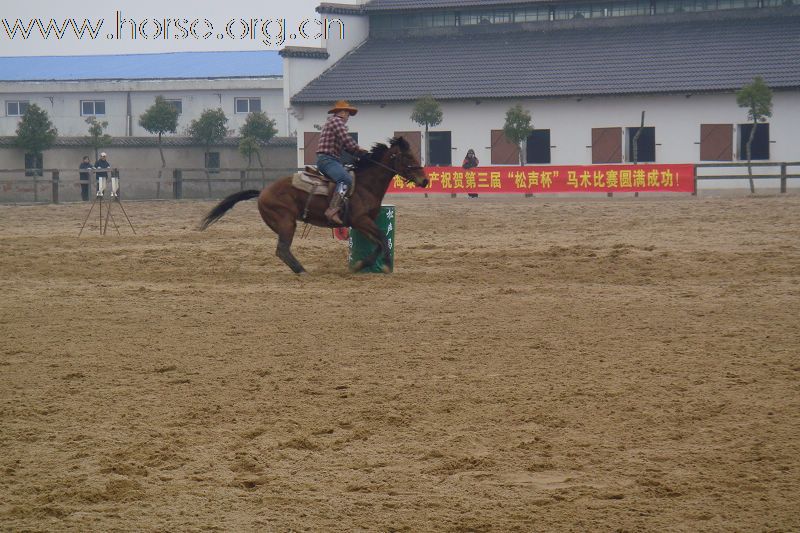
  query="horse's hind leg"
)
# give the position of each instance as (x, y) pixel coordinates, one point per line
(284, 251)
(284, 225)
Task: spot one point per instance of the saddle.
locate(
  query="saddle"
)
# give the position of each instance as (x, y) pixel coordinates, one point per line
(314, 182)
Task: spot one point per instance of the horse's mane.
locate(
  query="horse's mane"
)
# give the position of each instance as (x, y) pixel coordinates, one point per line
(376, 154)
(380, 149)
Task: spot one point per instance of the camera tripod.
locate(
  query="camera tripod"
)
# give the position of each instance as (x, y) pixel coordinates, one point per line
(104, 226)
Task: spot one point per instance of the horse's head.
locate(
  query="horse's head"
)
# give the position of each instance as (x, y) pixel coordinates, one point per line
(404, 162)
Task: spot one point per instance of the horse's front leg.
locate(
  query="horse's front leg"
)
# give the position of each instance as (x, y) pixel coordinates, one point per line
(367, 227)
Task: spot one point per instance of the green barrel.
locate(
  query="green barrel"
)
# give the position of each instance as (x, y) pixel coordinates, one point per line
(361, 247)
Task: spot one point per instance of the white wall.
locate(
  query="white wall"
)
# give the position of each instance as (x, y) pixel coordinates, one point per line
(677, 121)
(195, 102)
(356, 31)
(64, 110)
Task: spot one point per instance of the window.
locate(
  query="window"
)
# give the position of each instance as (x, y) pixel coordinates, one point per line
(439, 20)
(212, 162)
(581, 12)
(716, 142)
(760, 147)
(247, 105)
(538, 147)
(606, 145)
(601, 10)
(33, 165)
(471, 18)
(626, 8)
(646, 144)
(440, 149)
(93, 108)
(379, 23)
(16, 108)
(177, 104)
(681, 6)
(410, 21)
(531, 14)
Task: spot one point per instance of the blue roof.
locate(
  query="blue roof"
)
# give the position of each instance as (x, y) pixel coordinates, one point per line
(178, 65)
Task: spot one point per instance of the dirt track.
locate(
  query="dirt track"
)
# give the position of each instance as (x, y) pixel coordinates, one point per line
(532, 365)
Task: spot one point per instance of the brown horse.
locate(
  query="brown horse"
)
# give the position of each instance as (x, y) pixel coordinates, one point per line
(281, 205)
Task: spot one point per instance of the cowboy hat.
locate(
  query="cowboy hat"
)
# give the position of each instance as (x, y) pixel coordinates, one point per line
(343, 105)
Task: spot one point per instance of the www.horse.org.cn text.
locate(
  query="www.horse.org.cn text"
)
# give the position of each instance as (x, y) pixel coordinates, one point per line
(269, 31)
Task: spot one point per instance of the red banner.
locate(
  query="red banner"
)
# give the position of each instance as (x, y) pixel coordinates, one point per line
(554, 179)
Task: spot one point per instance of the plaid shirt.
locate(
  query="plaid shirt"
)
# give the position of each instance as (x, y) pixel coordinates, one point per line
(334, 138)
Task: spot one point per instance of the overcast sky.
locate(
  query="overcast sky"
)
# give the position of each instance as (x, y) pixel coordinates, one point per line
(190, 25)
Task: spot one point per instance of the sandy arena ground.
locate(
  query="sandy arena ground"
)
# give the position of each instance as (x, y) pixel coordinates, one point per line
(626, 364)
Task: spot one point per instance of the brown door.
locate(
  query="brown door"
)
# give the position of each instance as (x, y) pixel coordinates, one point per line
(310, 142)
(414, 138)
(716, 142)
(606, 145)
(504, 152)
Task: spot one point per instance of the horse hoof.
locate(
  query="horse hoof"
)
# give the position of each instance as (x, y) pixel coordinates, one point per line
(357, 266)
(386, 270)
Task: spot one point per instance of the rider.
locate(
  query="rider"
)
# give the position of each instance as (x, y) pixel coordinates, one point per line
(333, 139)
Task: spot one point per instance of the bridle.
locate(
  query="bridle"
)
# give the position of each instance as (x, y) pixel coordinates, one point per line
(408, 168)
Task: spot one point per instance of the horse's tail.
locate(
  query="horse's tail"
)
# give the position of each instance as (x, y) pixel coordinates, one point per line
(225, 205)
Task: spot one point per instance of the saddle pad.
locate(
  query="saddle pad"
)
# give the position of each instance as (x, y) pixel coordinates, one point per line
(310, 184)
(313, 184)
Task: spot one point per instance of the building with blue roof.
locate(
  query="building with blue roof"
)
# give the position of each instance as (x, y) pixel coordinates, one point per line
(119, 88)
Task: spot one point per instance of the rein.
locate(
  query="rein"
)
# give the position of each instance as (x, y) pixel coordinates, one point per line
(378, 163)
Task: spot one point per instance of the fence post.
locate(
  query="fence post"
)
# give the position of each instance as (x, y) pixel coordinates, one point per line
(783, 177)
(56, 177)
(177, 184)
(694, 180)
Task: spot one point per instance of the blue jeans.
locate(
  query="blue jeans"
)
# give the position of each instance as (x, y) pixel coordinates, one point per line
(333, 168)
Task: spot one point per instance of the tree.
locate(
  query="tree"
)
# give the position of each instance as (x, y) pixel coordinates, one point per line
(208, 129)
(517, 127)
(259, 127)
(257, 130)
(427, 113)
(97, 137)
(35, 132)
(160, 118)
(757, 98)
(248, 146)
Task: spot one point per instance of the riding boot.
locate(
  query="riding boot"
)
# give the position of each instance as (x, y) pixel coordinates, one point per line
(332, 213)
